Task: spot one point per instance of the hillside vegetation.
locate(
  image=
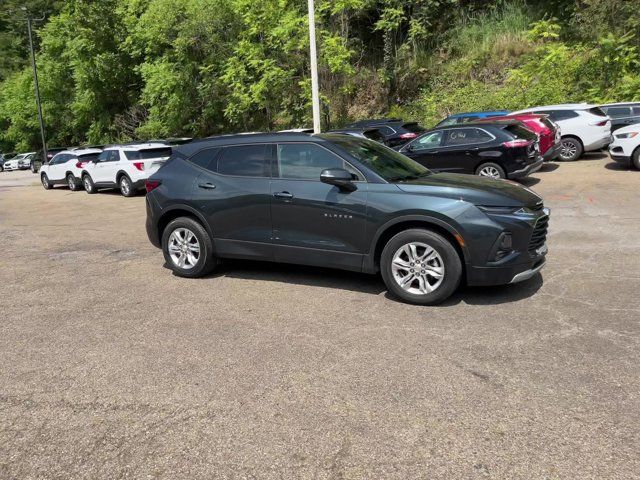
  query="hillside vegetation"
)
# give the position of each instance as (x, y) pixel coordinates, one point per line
(119, 70)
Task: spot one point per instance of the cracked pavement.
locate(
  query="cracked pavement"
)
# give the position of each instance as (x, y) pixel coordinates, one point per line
(110, 367)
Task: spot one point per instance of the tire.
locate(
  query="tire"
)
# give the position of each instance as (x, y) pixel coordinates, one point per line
(635, 159)
(491, 170)
(1, 168)
(88, 184)
(45, 182)
(35, 168)
(570, 149)
(71, 182)
(194, 263)
(396, 264)
(126, 188)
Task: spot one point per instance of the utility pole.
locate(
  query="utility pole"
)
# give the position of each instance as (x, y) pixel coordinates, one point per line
(315, 95)
(37, 86)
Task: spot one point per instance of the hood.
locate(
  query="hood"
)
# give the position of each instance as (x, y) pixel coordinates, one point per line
(473, 189)
(628, 129)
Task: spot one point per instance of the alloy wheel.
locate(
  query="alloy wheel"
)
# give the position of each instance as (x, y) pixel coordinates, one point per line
(45, 181)
(71, 182)
(489, 171)
(87, 184)
(184, 248)
(568, 150)
(418, 268)
(125, 186)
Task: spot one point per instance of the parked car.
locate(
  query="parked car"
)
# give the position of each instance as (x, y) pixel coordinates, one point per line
(36, 161)
(370, 133)
(125, 167)
(585, 127)
(501, 149)
(395, 131)
(549, 133)
(5, 157)
(19, 162)
(625, 147)
(470, 117)
(622, 114)
(339, 201)
(66, 167)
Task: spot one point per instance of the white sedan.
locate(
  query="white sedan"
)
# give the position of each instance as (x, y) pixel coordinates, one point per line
(19, 162)
(626, 145)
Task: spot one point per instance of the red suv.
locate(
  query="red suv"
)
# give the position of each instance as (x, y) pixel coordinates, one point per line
(547, 131)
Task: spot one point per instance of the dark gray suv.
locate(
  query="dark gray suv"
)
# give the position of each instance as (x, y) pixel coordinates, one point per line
(343, 202)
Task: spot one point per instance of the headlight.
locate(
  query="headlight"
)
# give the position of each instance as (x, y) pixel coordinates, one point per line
(626, 135)
(491, 210)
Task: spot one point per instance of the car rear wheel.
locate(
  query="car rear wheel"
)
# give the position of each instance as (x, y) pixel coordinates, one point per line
(71, 181)
(188, 248)
(491, 170)
(45, 182)
(126, 188)
(89, 186)
(635, 158)
(421, 267)
(570, 149)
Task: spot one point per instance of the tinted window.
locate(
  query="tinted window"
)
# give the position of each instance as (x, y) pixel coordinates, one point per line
(374, 134)
(636, 110)
(244, 161)
(413, 127)
(389, 164)
(305, 161)
(205, 158)
(88, 157)
(448, 121)
(386, 131)
(597, 111)
(104, 156)
(559, 114)
(619, 112)
(465, 136)
(518, 131)
(148, 153)
(113, 156)
(429, 140)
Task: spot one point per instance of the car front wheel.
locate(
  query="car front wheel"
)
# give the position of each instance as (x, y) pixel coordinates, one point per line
(421, 267)
(635, 158)
(188, 248)
(45, 182)
(570, 149)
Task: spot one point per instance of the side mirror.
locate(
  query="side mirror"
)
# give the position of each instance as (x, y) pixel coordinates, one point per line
(407, 148)
(339, 177)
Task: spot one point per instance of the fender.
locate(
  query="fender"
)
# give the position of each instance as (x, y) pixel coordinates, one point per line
(369, 260)
(187, 208)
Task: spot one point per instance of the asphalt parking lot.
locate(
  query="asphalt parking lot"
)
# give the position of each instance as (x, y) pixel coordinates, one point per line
(113, 368)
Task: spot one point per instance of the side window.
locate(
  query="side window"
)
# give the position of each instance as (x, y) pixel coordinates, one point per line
(618, 112)
(430, 140)
(306, 161)
(386, 131)
(636, 110)
(204, 158)
(244, 161)
(114, 156)
(559, 114)
(104, 156)
(465, 136)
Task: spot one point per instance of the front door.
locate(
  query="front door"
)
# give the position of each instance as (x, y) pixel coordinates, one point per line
(426, 150)
(56, 167)
(103, 171)
(313, 222)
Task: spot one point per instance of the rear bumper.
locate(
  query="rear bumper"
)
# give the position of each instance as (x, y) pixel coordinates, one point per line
(151, 225)
(531, 168)
(552, 153)
(599, 143)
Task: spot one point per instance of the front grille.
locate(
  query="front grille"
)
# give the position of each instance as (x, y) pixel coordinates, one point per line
(539, 234)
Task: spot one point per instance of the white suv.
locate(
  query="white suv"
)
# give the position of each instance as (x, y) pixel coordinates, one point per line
(125, 167)
(66, 168)
(585, 127)
(625, 148)
(19, 162)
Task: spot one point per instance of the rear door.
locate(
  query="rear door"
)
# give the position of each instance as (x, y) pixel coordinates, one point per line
(620, 116)
(233, 192)
(313, 222)
(463, 148)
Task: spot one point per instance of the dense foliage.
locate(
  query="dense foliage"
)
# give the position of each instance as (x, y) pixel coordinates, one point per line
(127, 69)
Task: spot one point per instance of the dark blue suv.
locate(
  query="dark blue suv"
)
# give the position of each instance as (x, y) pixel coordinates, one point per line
(339, 201)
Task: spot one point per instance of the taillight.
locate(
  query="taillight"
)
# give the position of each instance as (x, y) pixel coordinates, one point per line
(151, 185)
(80, 164)
(601, 124)
(139, 165)
(406, 136)
(517, 143)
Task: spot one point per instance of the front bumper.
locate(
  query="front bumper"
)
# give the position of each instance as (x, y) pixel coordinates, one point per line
(531, 168)
(488, 276)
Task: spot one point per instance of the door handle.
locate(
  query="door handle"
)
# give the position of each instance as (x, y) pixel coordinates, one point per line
(283, 195)
(206, 186)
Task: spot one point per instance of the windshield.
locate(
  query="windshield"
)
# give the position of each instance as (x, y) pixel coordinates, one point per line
(389, 164)
(148, 153)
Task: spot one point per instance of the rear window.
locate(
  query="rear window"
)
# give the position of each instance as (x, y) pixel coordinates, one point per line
(414, 127)
(374, 135)
(88, 157)
(148, 153)
(597, 111)
(547, 123)
(519, 131)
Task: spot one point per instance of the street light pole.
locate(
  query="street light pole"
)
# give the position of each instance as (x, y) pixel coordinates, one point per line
(35, 80)
(315, 95)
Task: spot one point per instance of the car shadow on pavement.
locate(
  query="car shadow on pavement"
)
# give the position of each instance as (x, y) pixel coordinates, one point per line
(549, 167)
(364, 283)
(618, 166)
(529, 181)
